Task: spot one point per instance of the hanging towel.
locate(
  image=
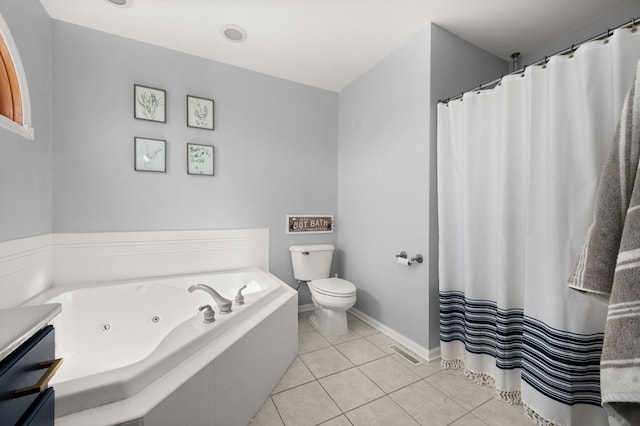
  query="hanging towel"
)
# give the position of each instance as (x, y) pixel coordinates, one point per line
(609, 265)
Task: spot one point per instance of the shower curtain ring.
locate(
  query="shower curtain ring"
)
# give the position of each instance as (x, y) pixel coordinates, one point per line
(633, 25)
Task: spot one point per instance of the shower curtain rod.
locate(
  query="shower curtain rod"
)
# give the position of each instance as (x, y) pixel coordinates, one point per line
(631, 24)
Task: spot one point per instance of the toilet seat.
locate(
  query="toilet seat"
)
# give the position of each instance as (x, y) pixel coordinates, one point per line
(334, 287)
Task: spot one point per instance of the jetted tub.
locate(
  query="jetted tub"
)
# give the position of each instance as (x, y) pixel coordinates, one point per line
(117, 339)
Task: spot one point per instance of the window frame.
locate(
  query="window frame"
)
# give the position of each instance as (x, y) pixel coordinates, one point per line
(25, 129)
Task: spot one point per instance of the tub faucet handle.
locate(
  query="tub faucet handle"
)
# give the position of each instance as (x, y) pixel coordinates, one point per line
(239, 299)
(209, 314)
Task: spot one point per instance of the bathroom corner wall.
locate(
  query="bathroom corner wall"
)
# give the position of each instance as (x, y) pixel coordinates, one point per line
(387, 193)
(275, 145)
(383, 186)
(25, 165)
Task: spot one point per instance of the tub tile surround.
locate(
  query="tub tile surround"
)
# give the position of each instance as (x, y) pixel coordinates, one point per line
(26, 269)
(30, 265)
(113, 256)
(379, 388)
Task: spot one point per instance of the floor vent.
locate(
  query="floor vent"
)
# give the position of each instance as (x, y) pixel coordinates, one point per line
(406, 355)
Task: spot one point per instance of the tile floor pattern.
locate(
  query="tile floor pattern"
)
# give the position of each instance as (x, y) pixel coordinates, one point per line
(358, 380)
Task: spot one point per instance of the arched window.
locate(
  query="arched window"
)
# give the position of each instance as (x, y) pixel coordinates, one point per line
(15, 107)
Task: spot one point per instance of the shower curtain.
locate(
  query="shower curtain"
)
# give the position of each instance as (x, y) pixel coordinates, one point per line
(518, 170)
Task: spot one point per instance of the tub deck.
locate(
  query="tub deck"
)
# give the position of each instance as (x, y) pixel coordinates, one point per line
(146, 340)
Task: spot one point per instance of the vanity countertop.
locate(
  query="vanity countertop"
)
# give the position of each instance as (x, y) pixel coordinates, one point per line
(18, 324)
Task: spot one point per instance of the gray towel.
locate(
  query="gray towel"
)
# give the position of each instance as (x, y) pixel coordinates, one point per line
(609, 266)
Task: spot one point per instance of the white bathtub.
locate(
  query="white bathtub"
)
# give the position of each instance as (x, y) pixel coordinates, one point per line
(117, 339)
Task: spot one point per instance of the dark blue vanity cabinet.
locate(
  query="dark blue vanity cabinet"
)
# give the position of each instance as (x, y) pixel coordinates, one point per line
(25, 396)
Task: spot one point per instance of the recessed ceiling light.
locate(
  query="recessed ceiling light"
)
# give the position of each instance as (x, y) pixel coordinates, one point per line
(234, 33)
(121, 3)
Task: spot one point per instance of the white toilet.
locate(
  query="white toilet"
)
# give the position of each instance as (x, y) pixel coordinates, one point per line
(331, 296)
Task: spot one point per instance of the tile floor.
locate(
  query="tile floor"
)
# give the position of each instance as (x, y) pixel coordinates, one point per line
(358, 380)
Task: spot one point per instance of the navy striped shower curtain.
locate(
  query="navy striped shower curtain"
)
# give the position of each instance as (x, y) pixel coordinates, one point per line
(518, 170)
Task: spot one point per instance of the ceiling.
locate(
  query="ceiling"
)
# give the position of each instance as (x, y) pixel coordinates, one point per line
(329, 43)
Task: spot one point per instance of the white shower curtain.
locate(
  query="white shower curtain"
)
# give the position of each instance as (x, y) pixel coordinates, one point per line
(518, 170)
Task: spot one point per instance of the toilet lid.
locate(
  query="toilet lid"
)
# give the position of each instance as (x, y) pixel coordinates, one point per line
(334, 287)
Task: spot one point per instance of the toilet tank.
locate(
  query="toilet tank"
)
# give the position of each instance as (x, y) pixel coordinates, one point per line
(311, 261)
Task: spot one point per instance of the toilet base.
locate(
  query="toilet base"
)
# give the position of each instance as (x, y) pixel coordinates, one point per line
(330, 322)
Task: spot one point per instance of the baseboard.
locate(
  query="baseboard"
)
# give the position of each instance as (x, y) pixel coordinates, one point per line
(434, 353)
(429, 355)
(305, 308)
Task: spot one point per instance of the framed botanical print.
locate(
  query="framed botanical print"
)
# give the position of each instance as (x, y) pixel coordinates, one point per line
(199, 159)
(150, 155)
(149, 103)
(199, 112)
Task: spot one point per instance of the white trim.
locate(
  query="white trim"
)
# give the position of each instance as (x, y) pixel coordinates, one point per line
(84, 258)
(25, 269)
(30, 265)
(26, 130)
(420, 350)
(305, 308)
(425, 353)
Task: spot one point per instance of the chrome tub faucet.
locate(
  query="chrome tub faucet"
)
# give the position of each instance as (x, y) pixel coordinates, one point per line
(223, 303)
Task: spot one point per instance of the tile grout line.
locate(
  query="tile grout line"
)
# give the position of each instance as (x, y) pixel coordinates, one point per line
(277, 411)
(358, 367)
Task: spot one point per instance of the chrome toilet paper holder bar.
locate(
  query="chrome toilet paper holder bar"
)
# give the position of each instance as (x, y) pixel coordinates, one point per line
(403, 254)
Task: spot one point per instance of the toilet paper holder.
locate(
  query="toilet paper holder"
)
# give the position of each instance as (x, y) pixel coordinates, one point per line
(403, 255)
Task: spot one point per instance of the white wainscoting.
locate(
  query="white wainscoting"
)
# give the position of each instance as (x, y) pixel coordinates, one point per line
(25, 269)
(30, 265)
(114, 256)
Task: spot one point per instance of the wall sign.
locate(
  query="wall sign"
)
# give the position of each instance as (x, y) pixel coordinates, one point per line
(309, 224)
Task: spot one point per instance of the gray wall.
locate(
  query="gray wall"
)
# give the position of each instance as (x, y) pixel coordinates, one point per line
(456, 66)
(277, 152)
(383, 175)
(275, 144)
(25, 166)
(387, 200)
